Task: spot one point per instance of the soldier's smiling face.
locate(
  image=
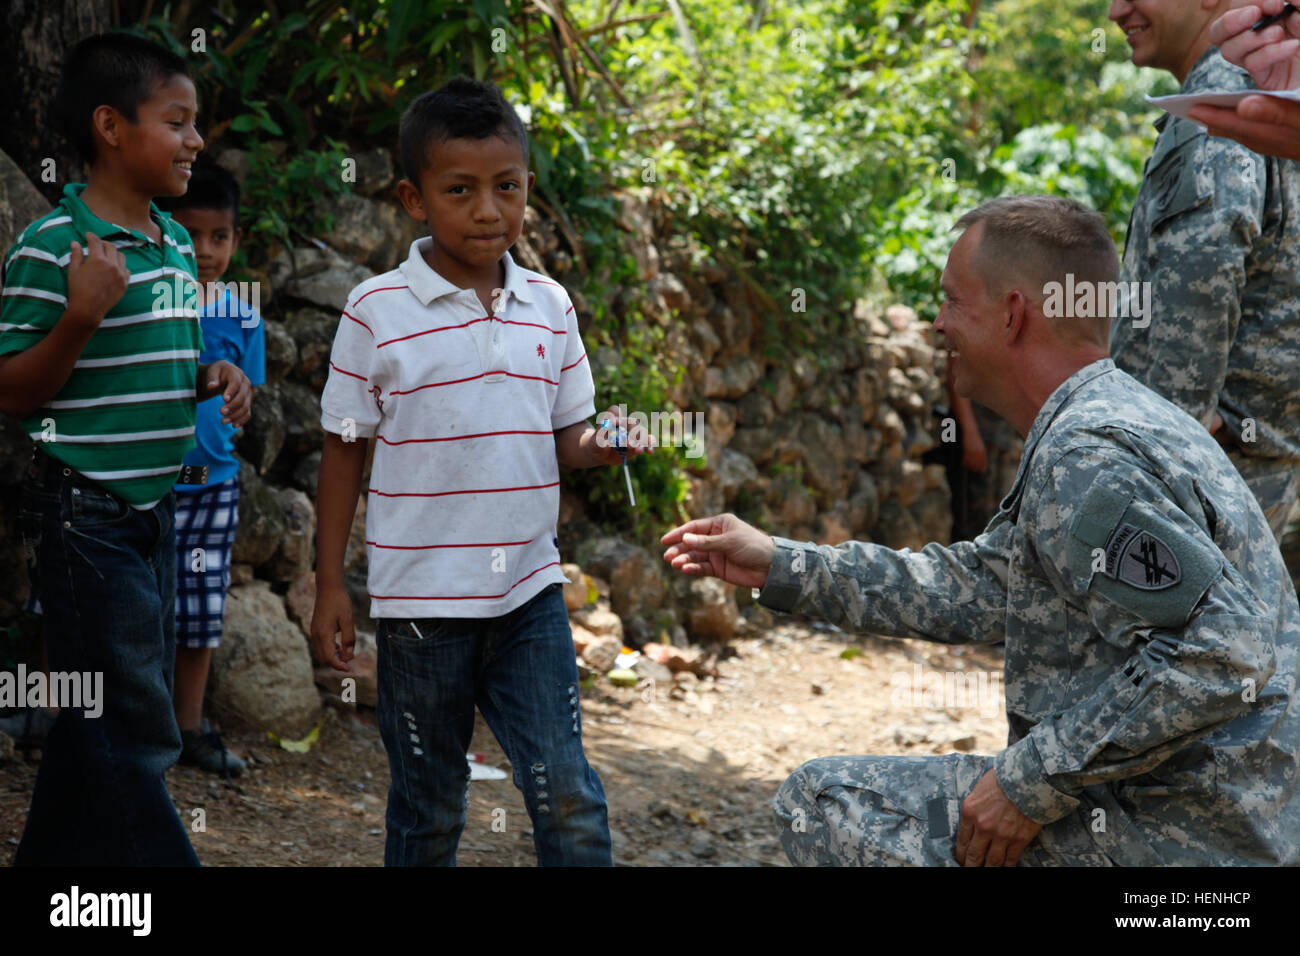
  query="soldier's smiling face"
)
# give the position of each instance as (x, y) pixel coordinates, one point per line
(968, 320)
(1165, 34)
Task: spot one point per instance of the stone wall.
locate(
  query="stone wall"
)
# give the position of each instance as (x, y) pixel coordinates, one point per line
(825, 447)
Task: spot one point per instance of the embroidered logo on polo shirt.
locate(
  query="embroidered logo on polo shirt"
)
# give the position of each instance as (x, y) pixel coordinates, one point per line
(541, 350)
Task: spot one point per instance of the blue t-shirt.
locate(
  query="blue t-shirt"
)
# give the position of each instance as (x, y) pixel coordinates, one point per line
(232, 330)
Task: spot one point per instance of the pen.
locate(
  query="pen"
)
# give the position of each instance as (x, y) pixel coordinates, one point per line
(1263, 23)
(621, 445)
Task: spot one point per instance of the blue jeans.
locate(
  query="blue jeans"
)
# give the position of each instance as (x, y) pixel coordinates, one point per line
(105, 574)
(520, 670)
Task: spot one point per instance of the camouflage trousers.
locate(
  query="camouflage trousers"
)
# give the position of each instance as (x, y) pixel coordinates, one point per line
(901, 811)
(1275, 483)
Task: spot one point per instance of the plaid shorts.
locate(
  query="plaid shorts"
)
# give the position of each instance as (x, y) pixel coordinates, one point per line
(204, 519)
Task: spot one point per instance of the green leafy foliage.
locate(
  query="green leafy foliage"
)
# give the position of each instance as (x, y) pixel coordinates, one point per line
(824, 145)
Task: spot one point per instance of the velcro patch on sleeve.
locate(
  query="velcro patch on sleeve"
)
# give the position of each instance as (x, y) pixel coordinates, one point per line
(1149, 565)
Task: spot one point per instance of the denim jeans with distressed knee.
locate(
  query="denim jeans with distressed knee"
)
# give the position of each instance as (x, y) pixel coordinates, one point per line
(519, 670)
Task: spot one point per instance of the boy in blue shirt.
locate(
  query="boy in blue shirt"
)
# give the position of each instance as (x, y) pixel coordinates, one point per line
(207, 515)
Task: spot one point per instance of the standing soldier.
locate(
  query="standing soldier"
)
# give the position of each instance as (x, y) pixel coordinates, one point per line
(1215, 232)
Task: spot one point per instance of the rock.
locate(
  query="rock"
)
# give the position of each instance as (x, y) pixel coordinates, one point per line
(261, 522)
(601, 621)
(578, 589)
(755, 410)
(15, 451)
(711, 610)
(623, 677)
(818, 689)
(636, 584)
(964, 744)
(735, 474)
(295, 553)
(365, 230)
(306, 474)
(261, 674)
(237, 162)
(706, 340)
(354, 558)
(20, 202)
(260, 440)
(281, 352)
(601, 654)
(825, 460)
(635, 218)
(320, 276)
(720, 425)
(833, 527)
(300, 407)
(6, 748)
(732, 380)
(364, 672)
(374, 172)
(300, 601)
(897, 528)
(705, 497)
(646, 669)
(582, 638)
(240, 574)
(313, 333)
(679, 660)
(702, 847)
(900, 317)
(670, 289)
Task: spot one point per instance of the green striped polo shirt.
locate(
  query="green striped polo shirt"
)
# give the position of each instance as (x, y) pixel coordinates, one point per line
(125, 416)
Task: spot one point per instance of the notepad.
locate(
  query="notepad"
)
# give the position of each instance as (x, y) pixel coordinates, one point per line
(1180, 103)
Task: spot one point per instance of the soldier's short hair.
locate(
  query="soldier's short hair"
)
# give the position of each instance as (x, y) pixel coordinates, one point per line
(1032, 241)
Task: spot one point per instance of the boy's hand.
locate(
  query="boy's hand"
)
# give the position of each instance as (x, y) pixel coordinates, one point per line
(333, 615)
(234, 387)
(97, 279)
(600, 443)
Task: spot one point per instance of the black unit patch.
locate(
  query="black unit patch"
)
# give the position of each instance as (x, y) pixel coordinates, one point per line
(1141, 559)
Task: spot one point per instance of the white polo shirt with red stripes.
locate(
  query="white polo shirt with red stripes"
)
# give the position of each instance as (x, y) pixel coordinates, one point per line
(465, 488)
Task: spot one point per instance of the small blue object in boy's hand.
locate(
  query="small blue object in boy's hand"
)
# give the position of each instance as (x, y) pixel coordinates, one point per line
(620, 443)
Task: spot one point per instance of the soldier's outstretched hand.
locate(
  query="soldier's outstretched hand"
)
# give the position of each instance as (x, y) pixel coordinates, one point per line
(722, 547)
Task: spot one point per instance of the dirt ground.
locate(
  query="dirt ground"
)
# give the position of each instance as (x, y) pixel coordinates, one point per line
(689, 774)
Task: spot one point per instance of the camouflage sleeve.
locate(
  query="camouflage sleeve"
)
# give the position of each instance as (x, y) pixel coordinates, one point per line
(1149, 580)
(1204, 212)
(951, 594)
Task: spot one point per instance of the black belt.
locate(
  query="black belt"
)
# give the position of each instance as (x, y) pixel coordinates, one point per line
(46, 467)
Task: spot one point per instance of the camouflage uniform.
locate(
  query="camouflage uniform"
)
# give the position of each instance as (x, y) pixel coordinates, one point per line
(1216, 231)
(1151, 639)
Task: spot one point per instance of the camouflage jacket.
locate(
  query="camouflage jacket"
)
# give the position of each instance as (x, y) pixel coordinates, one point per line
(1216, 232)
(1151, 629)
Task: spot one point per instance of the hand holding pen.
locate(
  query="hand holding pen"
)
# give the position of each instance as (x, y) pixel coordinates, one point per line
(1263, 37)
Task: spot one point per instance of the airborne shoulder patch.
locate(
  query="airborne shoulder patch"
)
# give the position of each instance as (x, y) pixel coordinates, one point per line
(1148, 564)
(1142, 559)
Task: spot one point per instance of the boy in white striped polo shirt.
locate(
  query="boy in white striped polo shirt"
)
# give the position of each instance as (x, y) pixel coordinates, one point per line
(469, 373)
(99, 354)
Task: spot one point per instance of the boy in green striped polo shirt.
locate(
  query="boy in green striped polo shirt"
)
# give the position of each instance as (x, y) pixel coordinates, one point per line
(99, 346)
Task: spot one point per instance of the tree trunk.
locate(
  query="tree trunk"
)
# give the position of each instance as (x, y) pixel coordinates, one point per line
(34, 37)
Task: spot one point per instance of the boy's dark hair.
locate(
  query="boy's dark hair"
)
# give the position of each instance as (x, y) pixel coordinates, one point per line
(210, 187)
(120, 70)
(462, 108)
